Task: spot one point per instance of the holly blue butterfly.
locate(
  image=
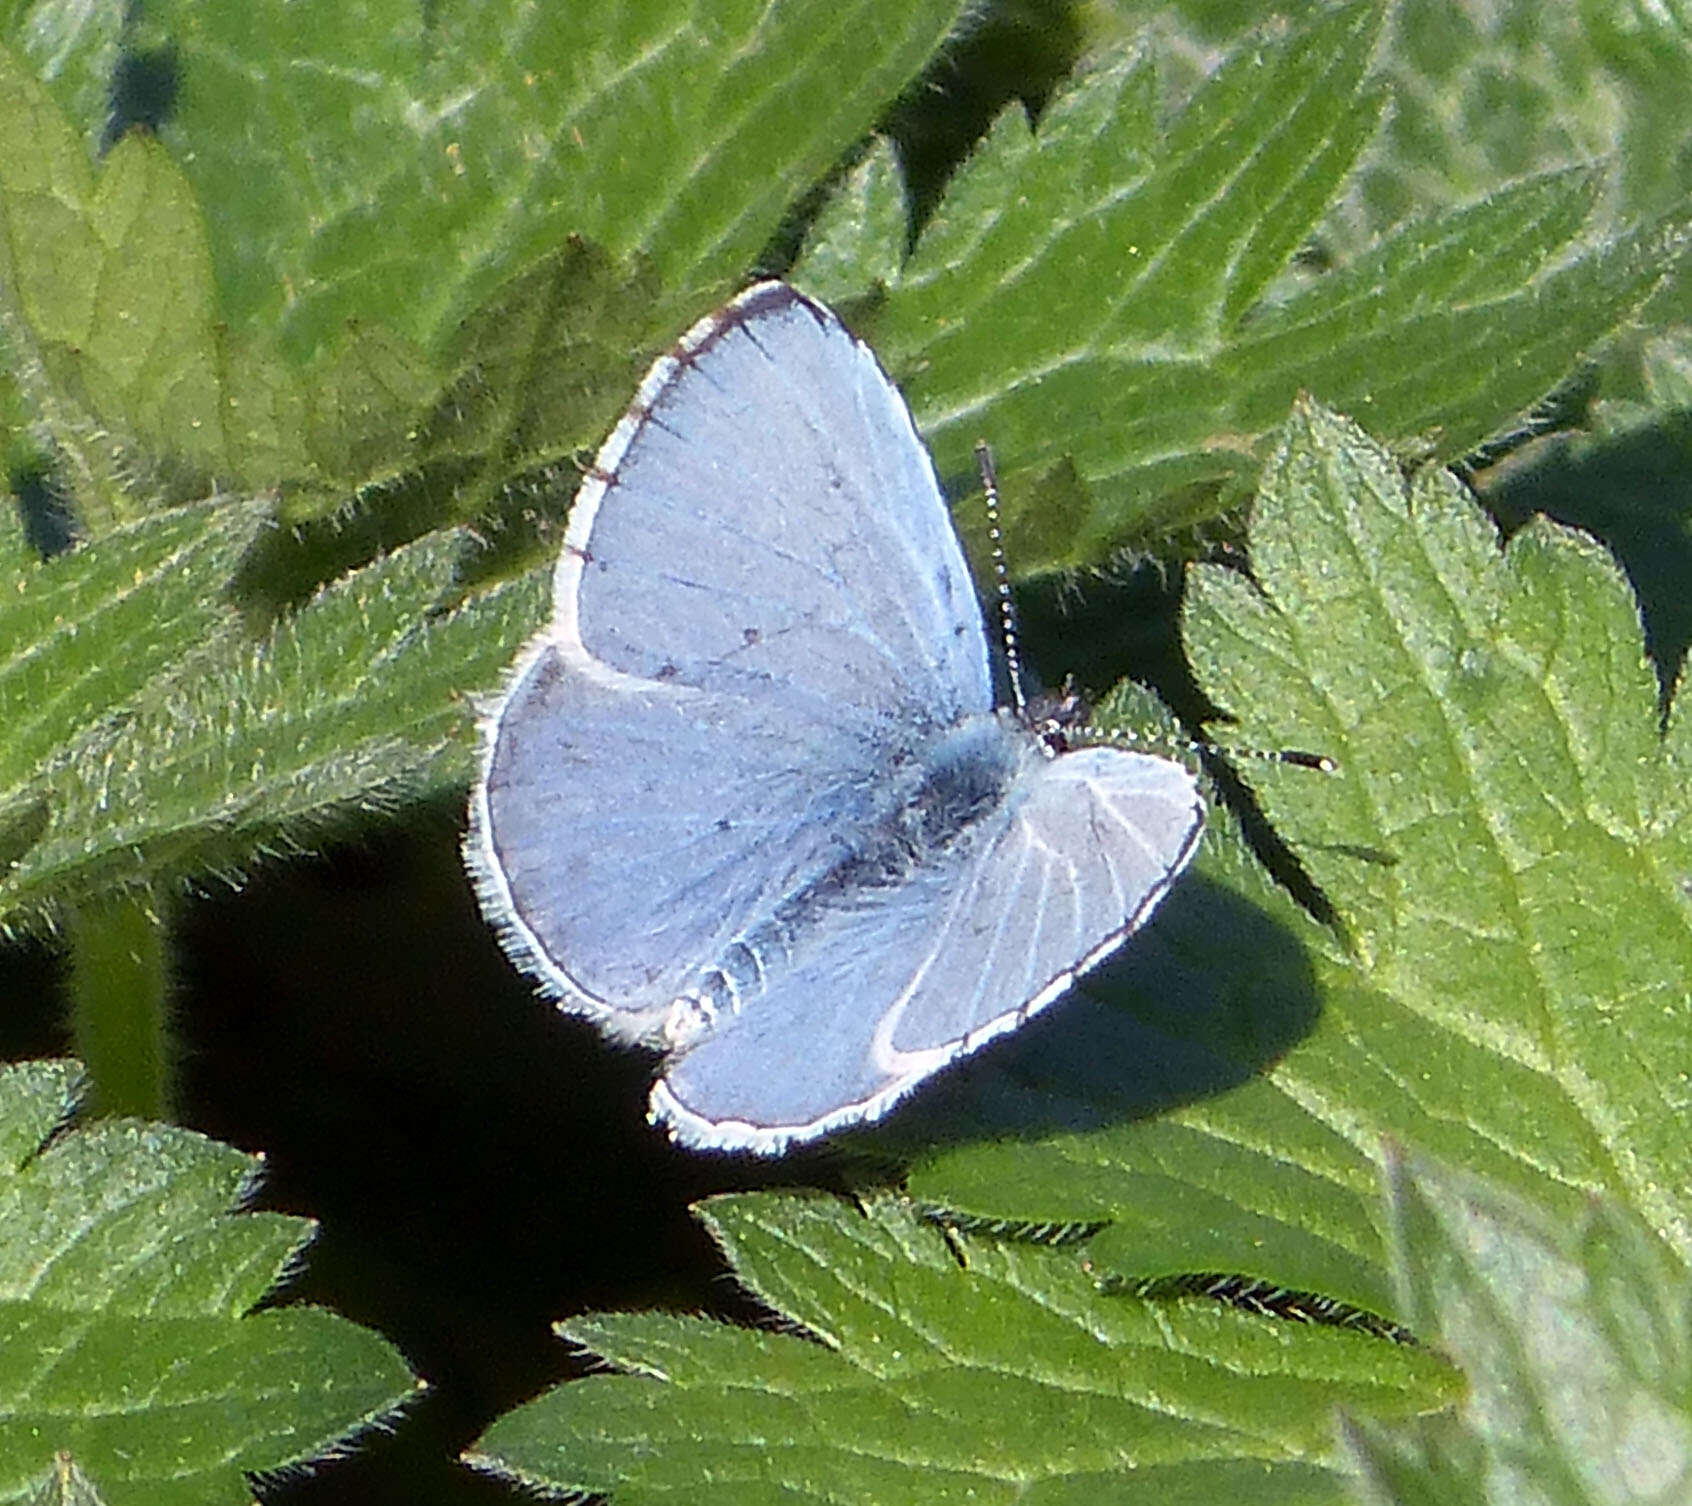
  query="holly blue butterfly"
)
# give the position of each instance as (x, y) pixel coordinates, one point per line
(748, 797)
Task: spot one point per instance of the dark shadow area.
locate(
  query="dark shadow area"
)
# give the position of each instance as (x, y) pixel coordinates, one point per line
(32, 1010)
(49, 525)
(1103, 630)
(144, 89)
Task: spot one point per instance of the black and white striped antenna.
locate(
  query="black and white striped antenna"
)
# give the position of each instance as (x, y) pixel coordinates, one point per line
(1001, 573)
(1057, 726)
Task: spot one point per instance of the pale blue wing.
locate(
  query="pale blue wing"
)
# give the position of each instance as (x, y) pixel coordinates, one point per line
(897, 982)
(623, 836)
(761, 603)
(765, 522)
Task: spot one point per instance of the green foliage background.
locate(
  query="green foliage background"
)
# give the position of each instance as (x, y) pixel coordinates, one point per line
(1362, 1175)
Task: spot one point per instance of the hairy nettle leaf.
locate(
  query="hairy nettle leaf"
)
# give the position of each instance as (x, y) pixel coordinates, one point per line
(128, 1343)
(1000, 1375)
(89, 635)
(348, 705)
(1110, 292)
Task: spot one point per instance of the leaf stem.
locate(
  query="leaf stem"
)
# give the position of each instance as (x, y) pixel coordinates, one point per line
(120, 980)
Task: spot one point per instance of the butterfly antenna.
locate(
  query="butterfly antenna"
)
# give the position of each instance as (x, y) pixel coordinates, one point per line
(1296, 757)
(1001, 573)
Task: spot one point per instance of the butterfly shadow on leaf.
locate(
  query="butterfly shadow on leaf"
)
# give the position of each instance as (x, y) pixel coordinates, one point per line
(1212, 991)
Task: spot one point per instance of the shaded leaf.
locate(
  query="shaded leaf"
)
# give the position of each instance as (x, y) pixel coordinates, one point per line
(1483, 95)
(1576, 1338)
(115, 331)
(491, 432)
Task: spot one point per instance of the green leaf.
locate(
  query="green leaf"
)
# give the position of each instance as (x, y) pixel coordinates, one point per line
(126, 1293)
(1646, 52)
(1667, 363)
(114, 321)
(348, 706)
(398, 164)
(1492, 841)
(1457, 368)
(1626, 480)
(1486, 94)
(1113, 294)
(1504, 851)
(367, 392)
(1483, 95)
(1143, 1105)
(73, 48)
(17, 556)
(97, 630)
(1093, 241)
(992, 1372)
(1575, 1336)
(859, 239)
(142, 345)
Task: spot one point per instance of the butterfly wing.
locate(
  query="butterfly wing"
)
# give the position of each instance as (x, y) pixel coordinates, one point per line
(760, 601)
(891, 987)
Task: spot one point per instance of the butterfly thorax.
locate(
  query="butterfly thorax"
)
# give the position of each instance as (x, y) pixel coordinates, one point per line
(949, 788)
(936, 795)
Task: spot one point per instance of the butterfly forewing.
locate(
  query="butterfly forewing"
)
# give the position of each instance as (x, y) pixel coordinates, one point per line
(760, 605)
